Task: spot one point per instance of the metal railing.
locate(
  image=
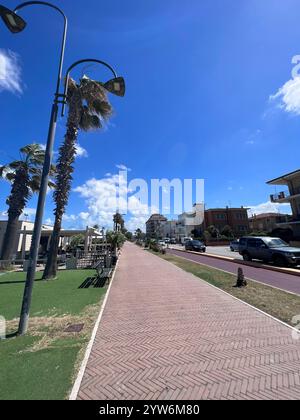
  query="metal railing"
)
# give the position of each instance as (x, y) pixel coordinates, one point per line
(82, 259)
(284, 195)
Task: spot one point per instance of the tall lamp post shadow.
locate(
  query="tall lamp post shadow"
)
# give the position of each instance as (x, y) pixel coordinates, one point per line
(16, 24)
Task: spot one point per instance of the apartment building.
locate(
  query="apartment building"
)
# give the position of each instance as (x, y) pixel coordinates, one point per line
(154, 224)
(236, 218)
(291, 196)
(267, 222)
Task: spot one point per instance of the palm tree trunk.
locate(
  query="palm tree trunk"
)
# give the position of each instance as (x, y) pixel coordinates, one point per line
(51, 266)
(10, 238)
(64, 168)
(16, 204)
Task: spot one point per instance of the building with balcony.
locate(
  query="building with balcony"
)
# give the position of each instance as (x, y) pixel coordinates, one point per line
(291, 196)
(159, 227)
(168, 229)
(154, 225)
(267, 222)
(188, 222)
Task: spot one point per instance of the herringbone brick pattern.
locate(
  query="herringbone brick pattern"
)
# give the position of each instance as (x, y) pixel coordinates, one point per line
(167, 335)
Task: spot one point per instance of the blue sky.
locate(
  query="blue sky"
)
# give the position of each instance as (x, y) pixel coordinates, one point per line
(199, 76)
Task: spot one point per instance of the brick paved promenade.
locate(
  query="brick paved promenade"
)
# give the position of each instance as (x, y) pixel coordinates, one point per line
(167, 335)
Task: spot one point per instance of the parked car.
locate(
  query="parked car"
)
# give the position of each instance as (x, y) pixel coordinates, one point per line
(185, 240)
(173, 241)
(235, 246)
(267, 249)
(196, 246)
(167, 240)
(161, 243)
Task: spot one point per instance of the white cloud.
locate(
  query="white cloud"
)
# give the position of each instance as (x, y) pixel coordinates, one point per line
(84, 216)
(10, 72)
(3, 215)
(123, 168)
(104, 197)
(288, 96)
(269, 207)
(81, 152)
(254, 137)
(28, 215)
(70, 218)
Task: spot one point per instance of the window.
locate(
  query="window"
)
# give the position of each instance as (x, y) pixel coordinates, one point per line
(252, 243)
(220, 216)
(240, 216)
(259, 243)
(276, 243)
(243, 241)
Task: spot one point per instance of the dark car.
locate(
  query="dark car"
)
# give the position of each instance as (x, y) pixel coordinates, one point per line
(196, 246)
(235, 246)
(173, 241)
(267, 249)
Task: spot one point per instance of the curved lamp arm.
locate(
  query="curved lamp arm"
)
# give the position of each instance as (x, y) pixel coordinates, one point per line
(43, 3)
(77, 63)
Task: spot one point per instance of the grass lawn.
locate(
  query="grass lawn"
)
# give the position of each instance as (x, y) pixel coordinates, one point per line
(281, 305)
(43, 364)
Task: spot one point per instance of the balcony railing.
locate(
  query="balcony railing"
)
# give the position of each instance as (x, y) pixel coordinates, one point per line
(281, 196)
(275, 198)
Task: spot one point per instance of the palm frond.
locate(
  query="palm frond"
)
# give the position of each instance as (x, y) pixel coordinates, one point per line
(16, 165)
(94, 94)
(101, 108)
(89, 121)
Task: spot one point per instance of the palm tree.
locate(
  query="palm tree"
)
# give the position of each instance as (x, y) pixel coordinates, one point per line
(88, 107)
(119, 223)
(138, 234)
(116, 240)
(25, 178)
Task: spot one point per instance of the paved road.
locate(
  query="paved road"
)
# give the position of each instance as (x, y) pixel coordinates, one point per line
(166, 335)
(223, 251)
(283, 281)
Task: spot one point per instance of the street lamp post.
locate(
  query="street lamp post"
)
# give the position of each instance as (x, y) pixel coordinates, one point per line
(115, 86)
(16, 24)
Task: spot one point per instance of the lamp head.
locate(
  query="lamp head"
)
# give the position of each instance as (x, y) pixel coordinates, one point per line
(116, 86)
(13, 22)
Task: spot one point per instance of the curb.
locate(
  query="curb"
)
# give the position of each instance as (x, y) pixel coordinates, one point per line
(232, 274)
(77, 383)
(241, 262)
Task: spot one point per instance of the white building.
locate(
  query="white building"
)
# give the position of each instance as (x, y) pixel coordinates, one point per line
(187, 222)
(23, 239)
